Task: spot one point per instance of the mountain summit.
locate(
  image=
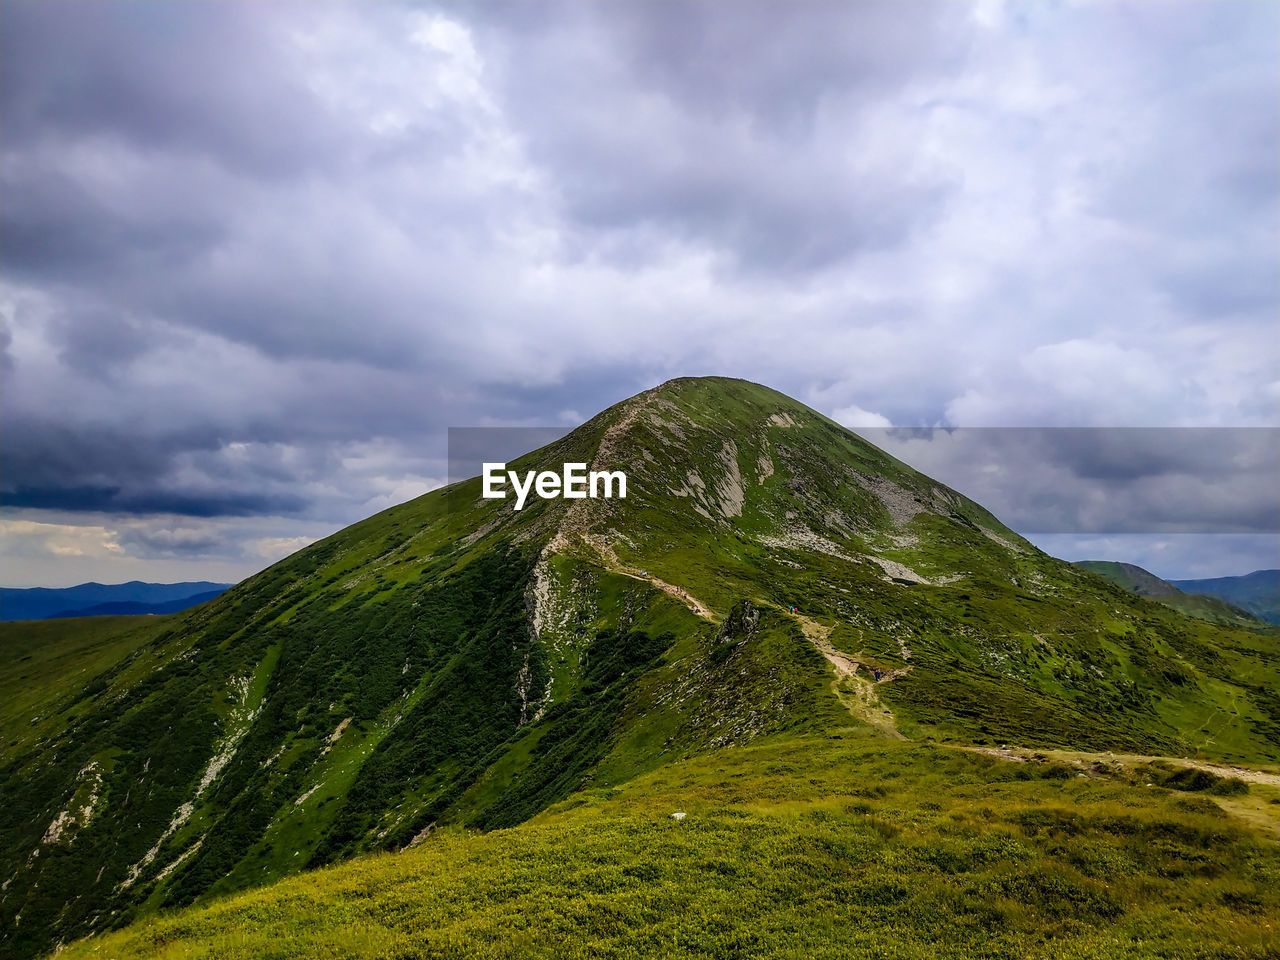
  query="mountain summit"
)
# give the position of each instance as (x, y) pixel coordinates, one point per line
(452, 661)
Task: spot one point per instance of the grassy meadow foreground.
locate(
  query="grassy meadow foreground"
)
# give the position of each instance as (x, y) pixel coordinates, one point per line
(812, 847)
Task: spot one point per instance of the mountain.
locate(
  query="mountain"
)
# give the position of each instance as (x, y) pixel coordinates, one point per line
(1131, 577)
(1257, 592)
(91, 599)
(131, 607)
(1146, 584)
(857, 684)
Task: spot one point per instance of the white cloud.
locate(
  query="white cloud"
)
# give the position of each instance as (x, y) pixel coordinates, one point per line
(28, 539)
(854, 416)
(277, 548)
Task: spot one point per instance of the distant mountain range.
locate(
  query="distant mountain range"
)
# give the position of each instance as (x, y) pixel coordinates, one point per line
(1233, 601)
(1257, 592)
(99, 599)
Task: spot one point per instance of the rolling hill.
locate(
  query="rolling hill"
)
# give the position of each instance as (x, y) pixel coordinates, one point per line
(132, 607)
(852, 679)
(1146, 584)
(1257, 592)
(99, 599)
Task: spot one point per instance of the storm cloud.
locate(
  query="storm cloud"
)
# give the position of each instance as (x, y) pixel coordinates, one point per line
(255, 259)
(1106, 480)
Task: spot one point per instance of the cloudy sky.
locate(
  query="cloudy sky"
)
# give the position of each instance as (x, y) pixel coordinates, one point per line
(255, 259)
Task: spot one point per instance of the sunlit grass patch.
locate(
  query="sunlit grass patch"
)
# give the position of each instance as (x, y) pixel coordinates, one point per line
(812, 846)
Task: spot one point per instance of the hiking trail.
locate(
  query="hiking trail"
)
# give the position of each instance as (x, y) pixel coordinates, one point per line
(856, 692)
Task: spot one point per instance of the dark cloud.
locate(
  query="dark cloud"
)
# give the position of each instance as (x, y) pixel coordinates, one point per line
(117, 500)
(43, 454)
(255, 259)
(217, 81)
(781, 64)
(53, 466)
(58, 231)
(1169, 480)
(102, 342)
(174, 542)
(751, 129)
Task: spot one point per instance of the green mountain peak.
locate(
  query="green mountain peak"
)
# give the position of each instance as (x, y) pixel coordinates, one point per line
(455, 663)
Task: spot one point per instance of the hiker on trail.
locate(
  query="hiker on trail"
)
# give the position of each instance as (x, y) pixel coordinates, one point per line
(877, 673)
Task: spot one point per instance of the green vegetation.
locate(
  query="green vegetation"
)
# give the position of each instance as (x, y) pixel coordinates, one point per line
(771, 582)
(811, 847)
(54, 667)
(1144, 584)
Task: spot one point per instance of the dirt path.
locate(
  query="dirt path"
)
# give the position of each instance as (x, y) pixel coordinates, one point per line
(844, 662)
(582, 516)
(680, 593)
(1083, 758)
(857, 693)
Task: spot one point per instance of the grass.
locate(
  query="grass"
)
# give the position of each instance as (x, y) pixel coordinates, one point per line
(51, 667)
(797, 847)
(414, 625)
(1146, 584)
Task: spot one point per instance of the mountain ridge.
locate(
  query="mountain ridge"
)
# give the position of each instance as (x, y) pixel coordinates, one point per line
(453, 664)
(132, 607)
(40, 603)
(1257, 592)
(1146, 584)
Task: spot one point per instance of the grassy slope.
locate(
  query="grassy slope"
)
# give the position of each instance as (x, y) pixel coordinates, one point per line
(1130, 576)
(1144, 584)
(831, 846)
(1007, 643)
(350, 696)
(105, 741)
(52, 666)
(384, 680)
